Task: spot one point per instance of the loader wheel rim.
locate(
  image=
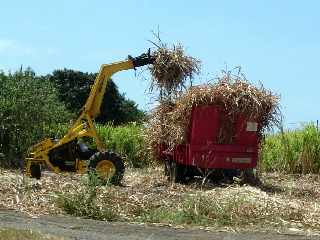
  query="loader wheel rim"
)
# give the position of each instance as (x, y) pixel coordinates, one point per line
(105, 169)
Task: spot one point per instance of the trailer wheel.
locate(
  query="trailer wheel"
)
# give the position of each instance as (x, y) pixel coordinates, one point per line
(35, 171)
(176, 172)
(167, 168)
(248, 176)
(107, 166)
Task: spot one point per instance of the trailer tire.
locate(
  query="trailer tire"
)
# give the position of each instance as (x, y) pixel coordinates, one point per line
(177, 172)
(167, 168)
(108, 167)
(35, 171)
(250, 177)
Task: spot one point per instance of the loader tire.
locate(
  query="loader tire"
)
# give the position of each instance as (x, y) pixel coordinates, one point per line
(35, 171)
(107, 166)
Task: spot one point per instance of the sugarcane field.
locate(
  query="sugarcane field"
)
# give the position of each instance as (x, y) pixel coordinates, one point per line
(211, 148)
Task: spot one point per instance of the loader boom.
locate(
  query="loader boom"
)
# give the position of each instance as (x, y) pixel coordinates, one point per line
(84, 125)
(93, 104)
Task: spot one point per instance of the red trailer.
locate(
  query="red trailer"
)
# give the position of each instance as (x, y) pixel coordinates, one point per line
(203, 149)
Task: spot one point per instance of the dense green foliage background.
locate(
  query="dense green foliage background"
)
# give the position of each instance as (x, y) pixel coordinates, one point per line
(73, 88)
(292, 151)
(29, 107)
(33, 107)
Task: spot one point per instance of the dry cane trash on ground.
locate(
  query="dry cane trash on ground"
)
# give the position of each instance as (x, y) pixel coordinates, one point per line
(282, 202)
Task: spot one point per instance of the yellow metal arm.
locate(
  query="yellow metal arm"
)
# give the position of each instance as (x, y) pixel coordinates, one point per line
(84, 124)
(93, 104)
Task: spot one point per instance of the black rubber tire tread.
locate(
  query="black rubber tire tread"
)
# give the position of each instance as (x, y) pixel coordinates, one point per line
(176, 172)
(167, 168)
(114, 158)
(249, 177)
(35, 171)
(189, 173)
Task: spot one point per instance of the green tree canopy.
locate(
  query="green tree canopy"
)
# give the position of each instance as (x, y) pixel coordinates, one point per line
(29, 106)
(74, 88)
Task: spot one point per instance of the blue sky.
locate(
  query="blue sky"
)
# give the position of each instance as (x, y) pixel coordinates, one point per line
(275, 42)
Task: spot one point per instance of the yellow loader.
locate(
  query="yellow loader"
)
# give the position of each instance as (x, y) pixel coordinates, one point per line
(70, 153)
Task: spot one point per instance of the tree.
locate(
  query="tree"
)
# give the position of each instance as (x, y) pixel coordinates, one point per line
(29, 108)
(74, 87)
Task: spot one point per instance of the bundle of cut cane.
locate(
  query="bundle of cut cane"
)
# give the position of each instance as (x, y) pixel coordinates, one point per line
(172, 69)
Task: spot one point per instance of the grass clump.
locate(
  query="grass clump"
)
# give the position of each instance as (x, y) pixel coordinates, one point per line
(292, 151)
(84, 202)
